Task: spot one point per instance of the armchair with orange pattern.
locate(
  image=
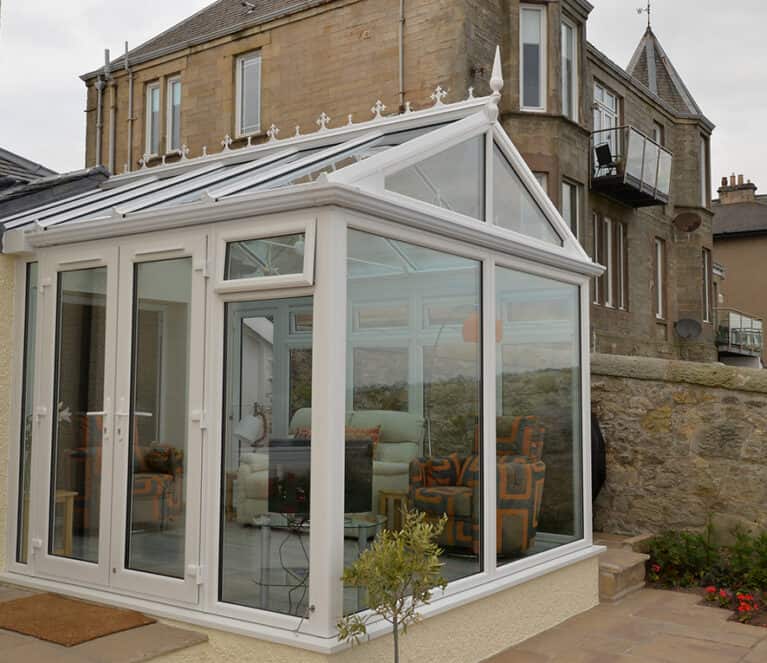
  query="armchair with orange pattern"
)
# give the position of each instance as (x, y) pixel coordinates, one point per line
(450, 485)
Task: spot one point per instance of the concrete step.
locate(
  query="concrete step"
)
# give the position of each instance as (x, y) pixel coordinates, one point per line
(621, 572)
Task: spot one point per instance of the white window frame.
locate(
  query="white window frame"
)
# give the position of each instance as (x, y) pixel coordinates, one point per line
(607, 115)
(543, 60)
(239, 64)
(175, 80)
(148, 147)
(242, 231)
(659, 133)
(572, 113)
(660, 268)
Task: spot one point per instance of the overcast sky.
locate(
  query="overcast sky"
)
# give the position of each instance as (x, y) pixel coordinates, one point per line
(46, 44)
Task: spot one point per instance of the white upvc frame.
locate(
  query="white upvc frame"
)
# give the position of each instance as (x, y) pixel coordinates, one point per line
(52, 263)
(150, 90)
(572, 113)
(169, 123)
(133, 252)
(16, 414)
(572, 190)
(607, 225)
(660, 278)
(543, 59)
(252, 59)
(237, 231)
(707, 305)
(621, 244)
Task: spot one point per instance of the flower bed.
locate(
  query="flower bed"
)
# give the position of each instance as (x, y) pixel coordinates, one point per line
(729, 577)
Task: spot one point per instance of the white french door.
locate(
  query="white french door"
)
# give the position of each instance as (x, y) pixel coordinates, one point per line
(120, 415)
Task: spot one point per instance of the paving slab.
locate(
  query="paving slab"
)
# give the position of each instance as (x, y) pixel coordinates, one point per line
(650, 626)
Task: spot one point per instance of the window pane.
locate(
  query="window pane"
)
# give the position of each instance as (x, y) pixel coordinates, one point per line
(250, 92)
(272, 256)
(175, 115)
(79, 403)
(27, 395)
(420, 398)
(513, 206)
(159, 412)
(453, 179)
(538, 429)
(265, 531)
(531, 58)
(568, 71)
(154, 120)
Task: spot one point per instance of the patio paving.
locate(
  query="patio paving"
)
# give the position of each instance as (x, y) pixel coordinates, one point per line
(138, 644)
(649, 626)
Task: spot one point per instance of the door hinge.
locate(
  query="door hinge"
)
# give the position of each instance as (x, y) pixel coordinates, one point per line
(200, 416)
(45, 283)
(37, 545)
(196, 571)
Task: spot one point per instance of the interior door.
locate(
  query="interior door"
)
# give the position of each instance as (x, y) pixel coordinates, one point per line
(74, 413)
(159, 417)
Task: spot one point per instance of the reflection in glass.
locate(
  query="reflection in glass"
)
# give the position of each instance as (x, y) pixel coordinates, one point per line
(272, 256)
(75, 500)
(265, 532)
(415, 395)
(513, 206)
(453, 179)
(159, 412)
(538, 428)
(25, 455)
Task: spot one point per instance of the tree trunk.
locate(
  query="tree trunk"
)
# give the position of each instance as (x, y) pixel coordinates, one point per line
(395, 625)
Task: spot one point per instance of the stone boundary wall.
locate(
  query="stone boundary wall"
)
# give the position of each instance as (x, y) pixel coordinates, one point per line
(686, 442)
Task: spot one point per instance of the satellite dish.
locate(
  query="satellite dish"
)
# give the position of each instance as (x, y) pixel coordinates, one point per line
(688, 329)
(687, 222)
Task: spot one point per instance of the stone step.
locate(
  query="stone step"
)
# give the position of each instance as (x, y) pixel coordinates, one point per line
(639, 543)
(621, 572)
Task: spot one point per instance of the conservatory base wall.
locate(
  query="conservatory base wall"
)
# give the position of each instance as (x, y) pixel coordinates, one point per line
(469, 634)
(7, 277)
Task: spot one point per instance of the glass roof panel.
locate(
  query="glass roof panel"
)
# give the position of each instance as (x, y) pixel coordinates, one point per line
(513, 206)
(380, 256)
(453, 179)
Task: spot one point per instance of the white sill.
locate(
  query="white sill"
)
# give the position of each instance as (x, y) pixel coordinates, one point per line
(488, 586)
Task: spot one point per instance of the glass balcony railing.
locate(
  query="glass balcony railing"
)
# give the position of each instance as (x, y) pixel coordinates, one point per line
(738, 333)
(630, 167)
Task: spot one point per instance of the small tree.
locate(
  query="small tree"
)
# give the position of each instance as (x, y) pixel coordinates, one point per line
(399, 570)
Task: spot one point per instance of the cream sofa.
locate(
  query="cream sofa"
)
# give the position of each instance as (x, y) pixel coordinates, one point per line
(401, 440)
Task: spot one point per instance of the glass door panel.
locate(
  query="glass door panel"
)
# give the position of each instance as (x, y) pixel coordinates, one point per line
(159, 418)
(157, 454)
(72, 433)
(78, 415)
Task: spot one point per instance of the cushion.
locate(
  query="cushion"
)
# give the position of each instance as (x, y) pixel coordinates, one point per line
(402, 452)
(390, 469)
(455, 501)
(372, 434)
(469, 475)
(254, 462)
(395, 426)
(163, 460)
(443, 471)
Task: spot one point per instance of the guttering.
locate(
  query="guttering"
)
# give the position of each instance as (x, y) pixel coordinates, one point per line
(318, 194)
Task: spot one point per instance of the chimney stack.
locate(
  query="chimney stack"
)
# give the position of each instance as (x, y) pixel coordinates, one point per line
(738, 191)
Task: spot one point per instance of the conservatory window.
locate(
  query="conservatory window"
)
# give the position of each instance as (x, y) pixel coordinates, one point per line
(416, 397)
(453, 179)
(265, 534)
(27, 391)
(538, 424)
(513, 205)
(282, 258)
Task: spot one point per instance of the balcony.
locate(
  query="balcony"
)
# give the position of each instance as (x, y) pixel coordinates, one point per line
(629, 167)
(738, 333)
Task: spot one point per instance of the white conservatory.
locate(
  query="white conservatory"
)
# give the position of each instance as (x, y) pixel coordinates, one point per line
(234, 370)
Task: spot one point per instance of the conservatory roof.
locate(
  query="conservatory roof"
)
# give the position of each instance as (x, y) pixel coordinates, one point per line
(452, 161)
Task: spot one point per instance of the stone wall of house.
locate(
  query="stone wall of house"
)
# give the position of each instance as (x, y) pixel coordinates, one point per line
(685, 442)
(7, 266)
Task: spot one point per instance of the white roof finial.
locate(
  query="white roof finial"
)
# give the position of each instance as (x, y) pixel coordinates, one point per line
(496, 78)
